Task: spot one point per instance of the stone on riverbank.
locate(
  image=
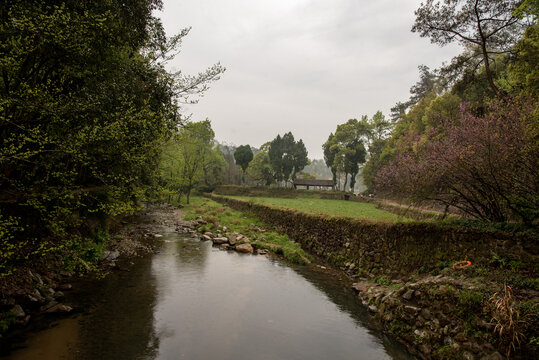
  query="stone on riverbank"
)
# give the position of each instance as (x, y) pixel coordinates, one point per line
(111, 255)
(220, 240)
(232, 239)
(17, 311)
(59, 308)
(244, 248)
(425, 315)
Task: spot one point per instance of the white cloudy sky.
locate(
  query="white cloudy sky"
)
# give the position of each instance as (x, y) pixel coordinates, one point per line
(299, 65)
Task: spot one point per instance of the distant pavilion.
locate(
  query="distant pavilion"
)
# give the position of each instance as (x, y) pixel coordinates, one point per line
(314, 183)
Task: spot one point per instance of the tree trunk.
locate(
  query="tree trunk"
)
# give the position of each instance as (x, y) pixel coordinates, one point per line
(352, 182)
(488, 73)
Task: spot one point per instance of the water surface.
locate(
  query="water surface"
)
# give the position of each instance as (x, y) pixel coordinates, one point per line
(193, 301)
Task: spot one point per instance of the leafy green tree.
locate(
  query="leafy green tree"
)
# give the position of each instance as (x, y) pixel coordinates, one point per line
(287, 157)
(429, 82)
(212, 169)
(189, 157)
(300, 159)
(85, 104)
(346, 149)
(484, 27)
(260, 169)
(527, 8)
(243, 156)
(329, 157)
(523, 70)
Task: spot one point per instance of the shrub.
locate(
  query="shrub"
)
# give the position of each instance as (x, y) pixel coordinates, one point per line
(211, 219)
(486, 166)
(470, 299)
(380, 280)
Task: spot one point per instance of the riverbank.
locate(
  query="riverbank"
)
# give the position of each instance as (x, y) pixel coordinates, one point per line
(169, 303)
(413, 278)
(233, 230)
(41, 293)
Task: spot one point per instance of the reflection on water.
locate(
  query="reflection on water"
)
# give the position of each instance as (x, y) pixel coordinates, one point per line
(192, 301)
(121, 326)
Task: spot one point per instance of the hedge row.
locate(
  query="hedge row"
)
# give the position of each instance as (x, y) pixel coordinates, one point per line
(393, 249)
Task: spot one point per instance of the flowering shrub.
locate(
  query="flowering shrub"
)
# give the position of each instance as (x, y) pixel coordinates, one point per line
(486, 165)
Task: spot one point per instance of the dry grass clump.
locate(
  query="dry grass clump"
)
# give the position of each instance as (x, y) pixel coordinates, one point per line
(506, 319)
(211, 219)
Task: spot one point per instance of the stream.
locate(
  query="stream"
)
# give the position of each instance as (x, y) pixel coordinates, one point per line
(192, 301)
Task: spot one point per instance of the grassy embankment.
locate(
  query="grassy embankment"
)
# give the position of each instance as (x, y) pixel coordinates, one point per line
(334, 208)
(219, 216)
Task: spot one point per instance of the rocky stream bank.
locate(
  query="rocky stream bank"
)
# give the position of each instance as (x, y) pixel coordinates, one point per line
(452, 315)
(435, 317)
(445, 316)
(39, 293)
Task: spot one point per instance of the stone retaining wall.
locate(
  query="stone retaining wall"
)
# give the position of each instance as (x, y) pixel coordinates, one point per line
(393, 248)
(437, 317)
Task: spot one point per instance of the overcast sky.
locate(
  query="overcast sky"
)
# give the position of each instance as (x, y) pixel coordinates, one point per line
(299, 65)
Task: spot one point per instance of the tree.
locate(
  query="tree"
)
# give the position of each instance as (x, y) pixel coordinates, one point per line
(287, 157)
(486, 166)
(231, 172)
(329, 157)
(428, 83)
(243, 156)
(484, 27)
(300, 159)
(190, 156)
(346, 150)
(260, 169)
(212, 169)
(523, 70)
(85, 104)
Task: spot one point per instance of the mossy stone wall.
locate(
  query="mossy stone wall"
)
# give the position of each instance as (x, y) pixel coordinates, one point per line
(393, 248)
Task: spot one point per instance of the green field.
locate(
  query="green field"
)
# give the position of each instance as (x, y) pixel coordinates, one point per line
(336, 208)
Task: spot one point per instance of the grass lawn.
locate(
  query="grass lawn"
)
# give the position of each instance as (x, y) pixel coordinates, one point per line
(219, 216)
(337, 208)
